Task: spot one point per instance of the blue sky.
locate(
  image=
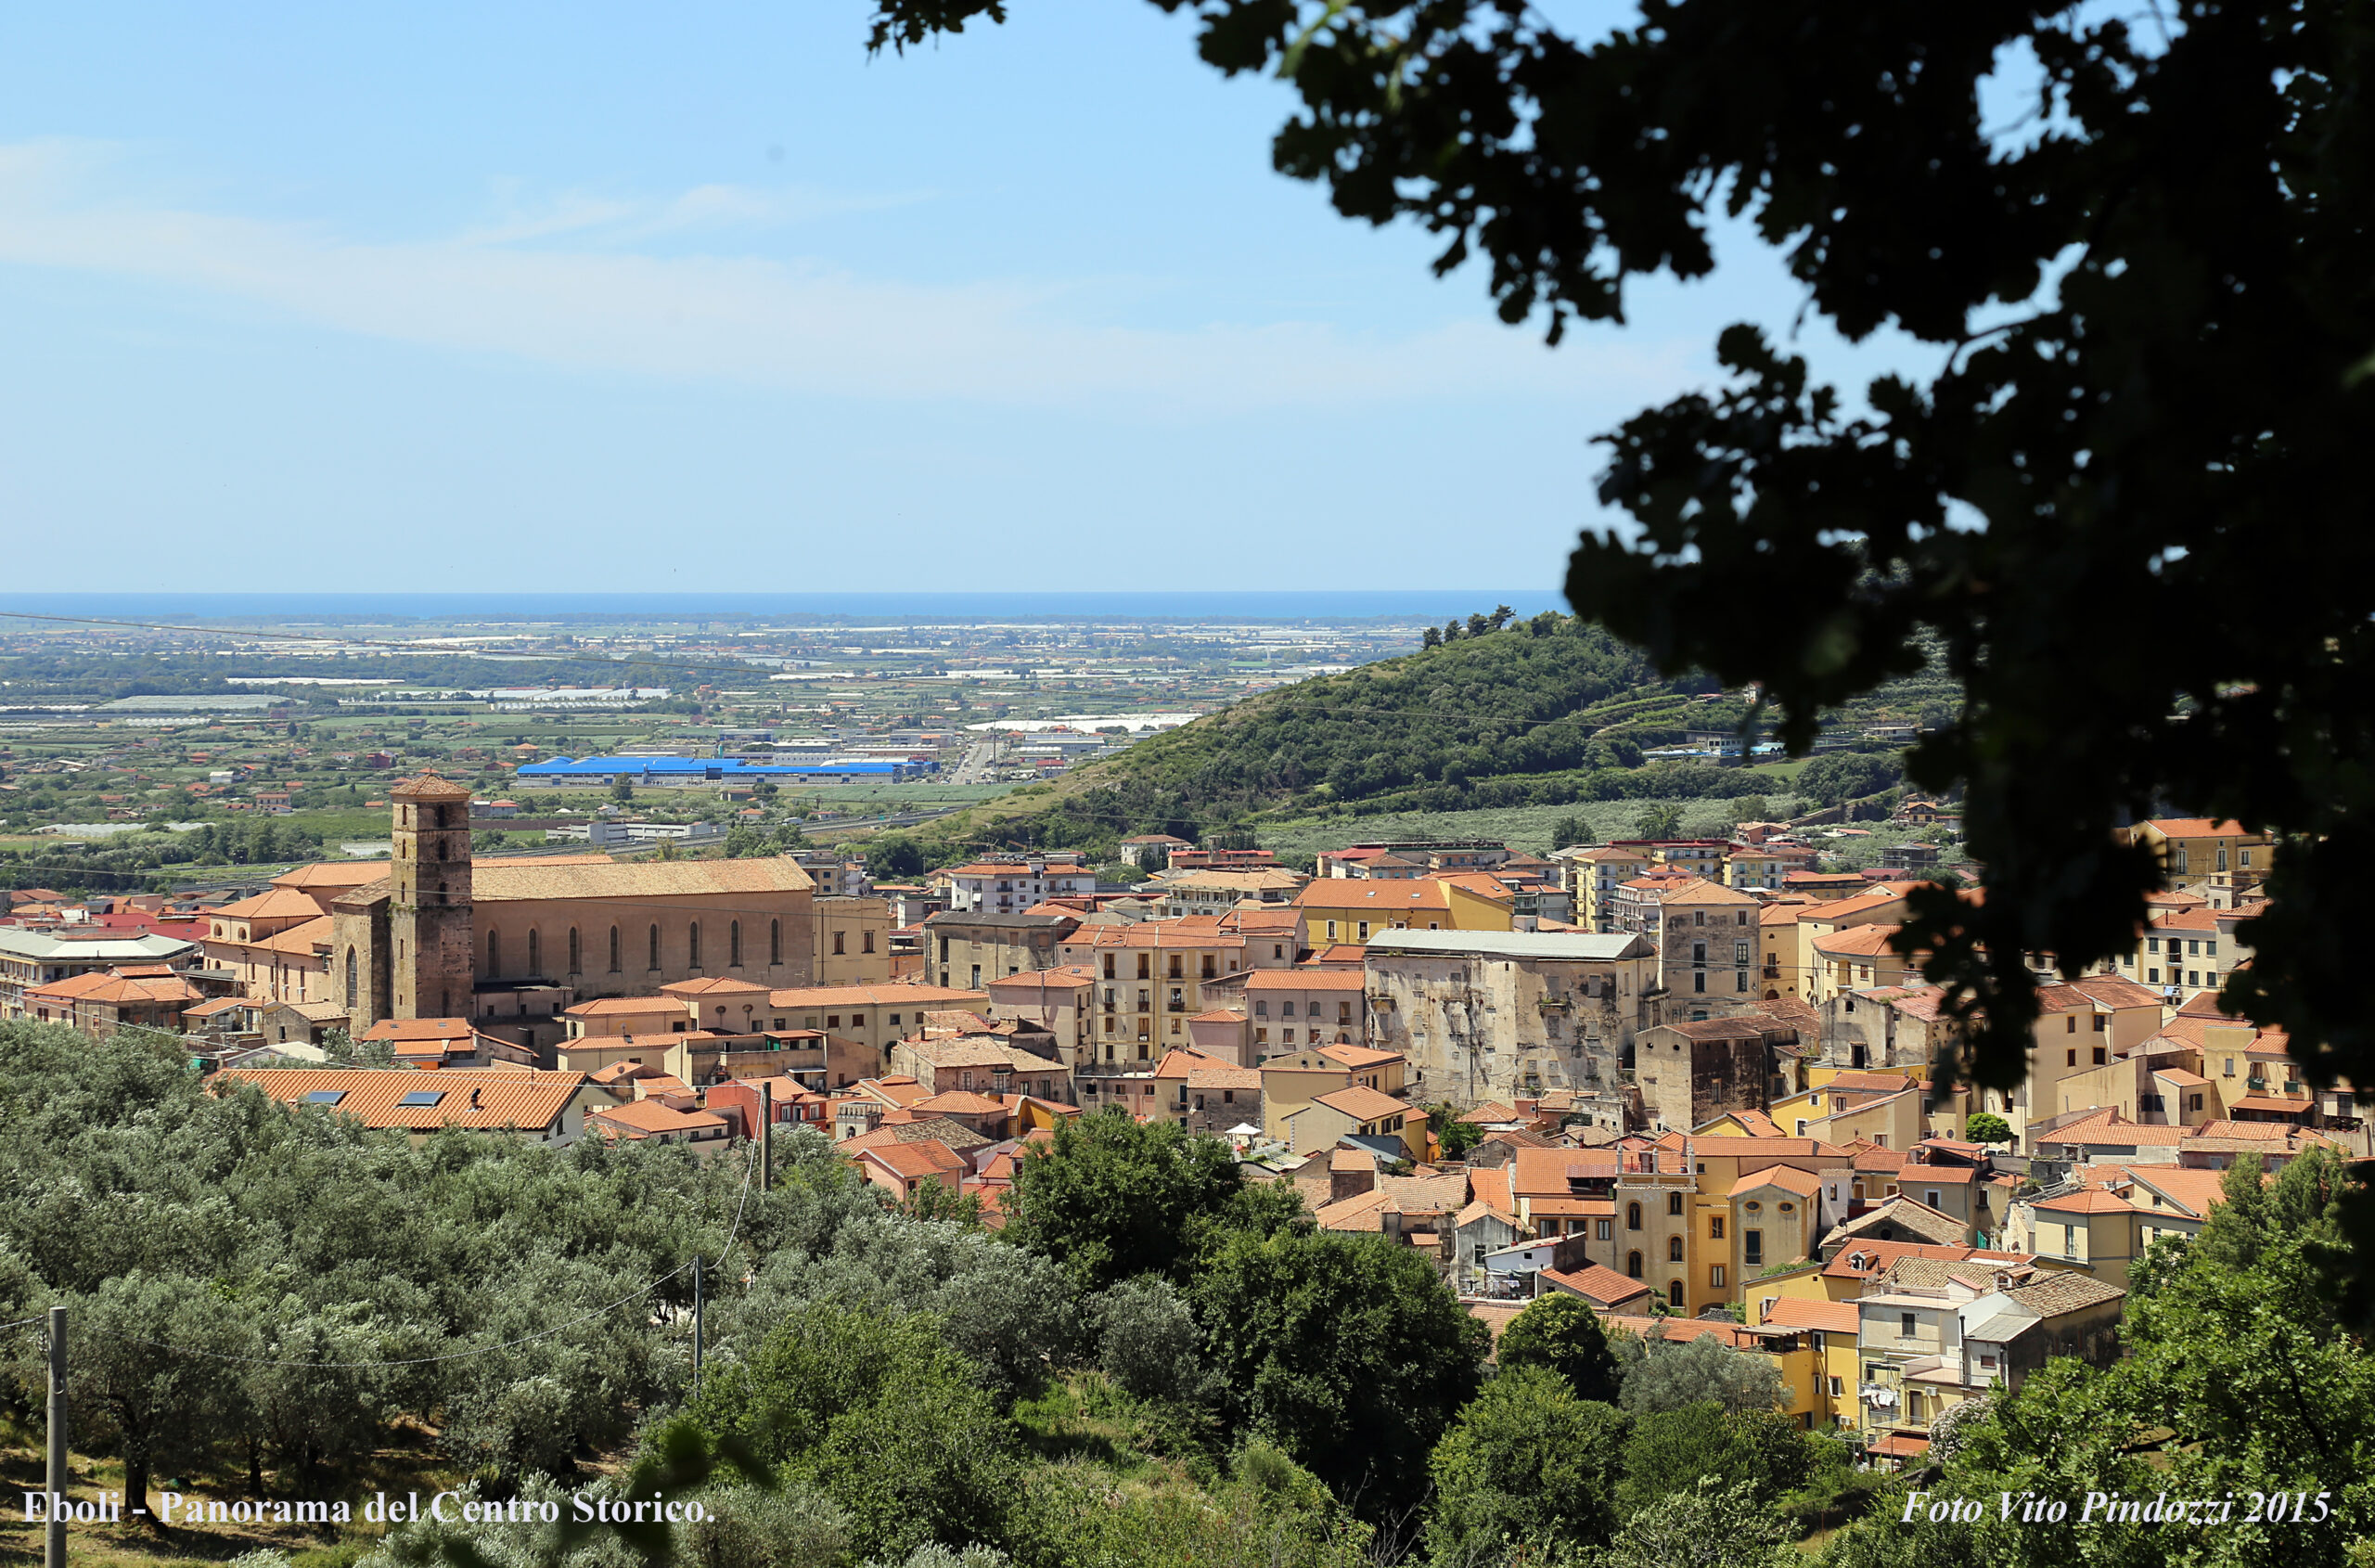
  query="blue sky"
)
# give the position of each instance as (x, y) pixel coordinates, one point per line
(624, 298)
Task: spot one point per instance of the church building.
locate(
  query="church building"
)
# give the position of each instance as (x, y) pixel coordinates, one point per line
(510, 943)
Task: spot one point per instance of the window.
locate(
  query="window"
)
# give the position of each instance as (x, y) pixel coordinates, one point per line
(324, 1097)
(1633, 1219)
(349, 977)
(1835, 1389)
(2231, 1068)
(1698, 983)
(693, 945)
(1673, 1202)
(865, 942)
(1931, 1197)
(2074, 1059)
(1109, 965)
(733, 944)
(1633, 1265)
(417, 1097)
(1146, 965)
(535, 952)
(775, 942)
(1673, 1249)
(573, 952)
(2070, 1023)
(493, 954)
(1752, 1248)
(1674, 1295)
(1715, 1229)
(655, 948)
(1905, 1325)
(1603, 1230)
(840, 939)
(1715, 1276)
(2100, 1057)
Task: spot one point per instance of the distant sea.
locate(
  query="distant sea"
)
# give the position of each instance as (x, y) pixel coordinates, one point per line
(1399, 604)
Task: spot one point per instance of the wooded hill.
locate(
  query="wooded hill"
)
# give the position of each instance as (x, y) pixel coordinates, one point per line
(1542, 712)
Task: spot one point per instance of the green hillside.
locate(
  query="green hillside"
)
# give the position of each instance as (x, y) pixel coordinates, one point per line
(1546, 712)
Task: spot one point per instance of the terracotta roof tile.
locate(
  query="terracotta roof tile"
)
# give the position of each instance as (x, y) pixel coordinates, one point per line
(466, 1098)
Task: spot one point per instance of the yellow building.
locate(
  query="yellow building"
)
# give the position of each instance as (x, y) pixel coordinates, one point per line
(1316, 1127)
(1594, 877)
(2198, 853)
(1345, 910)
(1893, 1120)
(1695, 1217)
(2090, 1227)
(1817, 924)
(1292, 1081)
(1857, 958)
(877, 1016)
(853, 941)
(1830, 1328)
(2081, 1026)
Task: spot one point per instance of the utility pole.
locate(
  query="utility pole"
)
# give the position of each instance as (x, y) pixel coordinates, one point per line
(697, 1334)
(53, 1544)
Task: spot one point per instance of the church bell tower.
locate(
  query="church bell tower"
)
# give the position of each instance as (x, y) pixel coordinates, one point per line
(428, 910)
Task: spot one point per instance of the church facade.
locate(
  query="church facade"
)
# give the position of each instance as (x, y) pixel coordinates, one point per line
(510, 943)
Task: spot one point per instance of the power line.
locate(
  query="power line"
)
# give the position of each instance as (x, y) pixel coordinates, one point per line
(748, 1164)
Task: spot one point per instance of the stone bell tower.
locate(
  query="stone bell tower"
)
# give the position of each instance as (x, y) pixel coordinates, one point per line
(428, 906)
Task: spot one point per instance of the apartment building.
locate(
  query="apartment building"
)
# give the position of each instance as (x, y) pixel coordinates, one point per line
(1705, 936)
(2186, 952)
(1204, 891)
(1151, 979)
(1010, 886)
(1305, 1005)
(873, 1016)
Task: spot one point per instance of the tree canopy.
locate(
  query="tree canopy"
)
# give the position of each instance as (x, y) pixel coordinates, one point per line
(1561, 1336)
